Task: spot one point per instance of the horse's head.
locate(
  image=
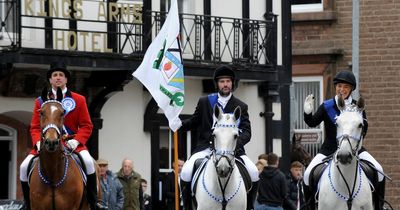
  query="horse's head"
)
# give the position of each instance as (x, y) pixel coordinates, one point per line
(299, 153)
(225, 133)
(349, 130)
(51, 121)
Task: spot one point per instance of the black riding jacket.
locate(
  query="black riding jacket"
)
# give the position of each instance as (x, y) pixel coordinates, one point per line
(330, 144)
(202, 120)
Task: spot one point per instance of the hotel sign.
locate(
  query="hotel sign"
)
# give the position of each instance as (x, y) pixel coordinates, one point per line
(91, 17)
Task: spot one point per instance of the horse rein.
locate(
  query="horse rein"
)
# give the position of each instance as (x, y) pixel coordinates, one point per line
(352, 195)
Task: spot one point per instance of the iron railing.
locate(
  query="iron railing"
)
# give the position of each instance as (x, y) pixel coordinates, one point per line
(204, 39)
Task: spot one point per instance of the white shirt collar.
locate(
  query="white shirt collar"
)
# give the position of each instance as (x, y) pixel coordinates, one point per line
(347, 101)
(55, 91)
(223, 100)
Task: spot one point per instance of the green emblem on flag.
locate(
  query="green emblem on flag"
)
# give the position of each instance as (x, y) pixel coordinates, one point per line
(178, 98)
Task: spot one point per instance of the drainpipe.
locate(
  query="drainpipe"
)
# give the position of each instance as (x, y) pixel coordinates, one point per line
(356, 46)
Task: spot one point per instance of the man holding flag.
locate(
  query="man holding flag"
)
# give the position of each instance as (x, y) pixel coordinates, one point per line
(203, 121)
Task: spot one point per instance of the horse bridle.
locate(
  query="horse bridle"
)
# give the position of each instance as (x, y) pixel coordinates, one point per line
(354, 152)
(217, 155)
(58, 129)
(228, 155)
(347, 138)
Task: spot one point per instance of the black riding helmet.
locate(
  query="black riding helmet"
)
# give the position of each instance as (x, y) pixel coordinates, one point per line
(224, 71)
(58, 66)
(345, 76)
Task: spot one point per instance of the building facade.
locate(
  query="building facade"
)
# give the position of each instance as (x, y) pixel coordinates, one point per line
(322, 45)
(103, 42)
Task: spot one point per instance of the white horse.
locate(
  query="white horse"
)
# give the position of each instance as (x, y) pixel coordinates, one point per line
(220, 185)
(343, 184)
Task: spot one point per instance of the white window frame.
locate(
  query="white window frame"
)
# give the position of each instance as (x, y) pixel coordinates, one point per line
(319, 131)
(302, 8)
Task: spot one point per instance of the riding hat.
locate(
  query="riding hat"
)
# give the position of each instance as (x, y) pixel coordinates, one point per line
(58, 66)
(345, 76)
(224, 72)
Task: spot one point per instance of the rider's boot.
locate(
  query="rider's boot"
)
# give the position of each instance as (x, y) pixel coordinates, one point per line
(186, 195)
(380, 195)
(91, 193)
(309, 197)
(25, 192)
(251, 196)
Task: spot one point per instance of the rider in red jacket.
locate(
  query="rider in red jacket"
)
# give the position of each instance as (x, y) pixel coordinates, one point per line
(77, 124)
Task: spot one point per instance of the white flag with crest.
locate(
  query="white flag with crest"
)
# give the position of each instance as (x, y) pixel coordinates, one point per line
(161, 70)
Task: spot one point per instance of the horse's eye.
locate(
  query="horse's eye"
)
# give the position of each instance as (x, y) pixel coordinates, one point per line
(360, 125)
(235, 136)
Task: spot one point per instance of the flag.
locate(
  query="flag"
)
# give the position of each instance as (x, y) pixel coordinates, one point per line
(161, 70)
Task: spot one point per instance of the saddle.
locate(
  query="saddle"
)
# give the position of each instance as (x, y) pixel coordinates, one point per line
(75, 156)
(318, 170)
(366, 166)
(199, 167)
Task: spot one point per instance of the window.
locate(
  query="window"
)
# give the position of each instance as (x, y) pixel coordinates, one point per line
(311, 138)
(167, 148)
(7, 15)
(299, 6)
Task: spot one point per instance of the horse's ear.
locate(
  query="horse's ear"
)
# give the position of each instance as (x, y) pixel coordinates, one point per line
(59, 94)
(361, 103)
(217, 111)
(341, 103)
(44, 94)
(237, 113)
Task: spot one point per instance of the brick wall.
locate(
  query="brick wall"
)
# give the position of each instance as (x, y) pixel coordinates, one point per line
(329, 34)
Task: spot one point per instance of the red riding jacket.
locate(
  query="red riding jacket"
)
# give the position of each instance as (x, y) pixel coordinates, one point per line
(76, 121)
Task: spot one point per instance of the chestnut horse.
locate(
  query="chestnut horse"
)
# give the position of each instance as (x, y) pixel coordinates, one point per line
(56, 181)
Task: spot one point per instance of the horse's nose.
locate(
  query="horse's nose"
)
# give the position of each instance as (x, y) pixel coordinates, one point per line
(51, 145)
(223, 168)
(345, 157)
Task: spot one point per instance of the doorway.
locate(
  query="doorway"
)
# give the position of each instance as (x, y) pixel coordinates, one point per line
(8, 162)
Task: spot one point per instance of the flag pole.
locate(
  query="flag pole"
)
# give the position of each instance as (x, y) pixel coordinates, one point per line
(176, 170)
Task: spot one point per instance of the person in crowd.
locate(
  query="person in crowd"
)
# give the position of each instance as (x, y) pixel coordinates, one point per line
(146, 197)
(203, 121)
(273, 187)
(263, 157)
(77, 123)
(112, 190)
(130, 181)
(345, 83)
(170, 188)
(260, 164)
(295, 198)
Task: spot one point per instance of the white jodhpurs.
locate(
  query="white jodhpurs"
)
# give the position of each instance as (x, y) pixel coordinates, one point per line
(368, 157)
(187, 169)
(87, 160)
(23, 168)
(251, 168)
(315, 161)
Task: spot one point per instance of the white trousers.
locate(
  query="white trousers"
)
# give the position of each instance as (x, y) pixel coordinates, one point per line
(87, 159)
(187, 169)
(363, 156)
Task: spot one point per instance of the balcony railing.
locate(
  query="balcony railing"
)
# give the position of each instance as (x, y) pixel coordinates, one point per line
(204, 39)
